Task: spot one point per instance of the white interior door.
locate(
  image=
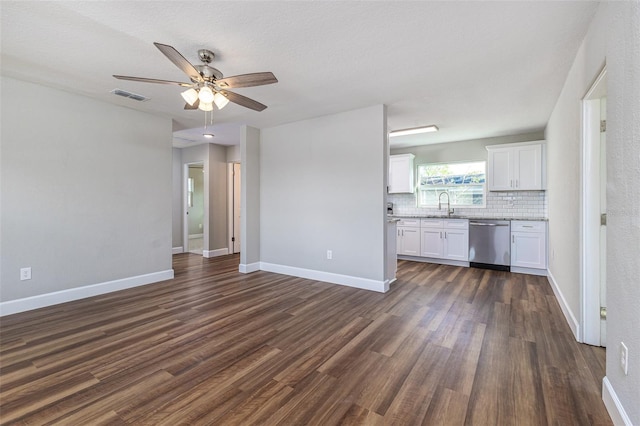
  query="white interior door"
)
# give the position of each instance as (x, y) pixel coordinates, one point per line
(593, 238)
(603, 224)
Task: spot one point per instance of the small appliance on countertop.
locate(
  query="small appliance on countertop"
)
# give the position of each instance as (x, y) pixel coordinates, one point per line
(390, 209)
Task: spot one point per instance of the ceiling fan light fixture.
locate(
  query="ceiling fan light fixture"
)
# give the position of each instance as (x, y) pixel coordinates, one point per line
(414, 130)
(220, 100)
(190, 96)
(205, 106)
(206, 95)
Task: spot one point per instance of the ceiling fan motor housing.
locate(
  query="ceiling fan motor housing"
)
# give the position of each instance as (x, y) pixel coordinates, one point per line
(208, 73)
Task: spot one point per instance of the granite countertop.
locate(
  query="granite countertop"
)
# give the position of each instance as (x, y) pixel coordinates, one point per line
(398, 216)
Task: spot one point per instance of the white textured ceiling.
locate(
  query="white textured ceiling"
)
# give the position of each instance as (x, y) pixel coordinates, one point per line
(475, 69)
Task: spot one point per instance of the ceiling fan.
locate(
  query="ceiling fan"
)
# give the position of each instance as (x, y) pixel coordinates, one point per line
(208, 86)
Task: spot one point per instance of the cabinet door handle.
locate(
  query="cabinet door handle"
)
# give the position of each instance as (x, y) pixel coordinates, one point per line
(445, 235)
(440, 234)
(516, 183)
(513, 239)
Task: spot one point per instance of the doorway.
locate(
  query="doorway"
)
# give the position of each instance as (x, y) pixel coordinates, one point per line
(594, 213)
(195, 208)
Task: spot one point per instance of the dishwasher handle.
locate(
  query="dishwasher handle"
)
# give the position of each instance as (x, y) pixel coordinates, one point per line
(487, 224)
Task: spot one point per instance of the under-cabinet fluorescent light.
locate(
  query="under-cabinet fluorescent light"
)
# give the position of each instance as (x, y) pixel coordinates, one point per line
(414, 131)
(208, 135)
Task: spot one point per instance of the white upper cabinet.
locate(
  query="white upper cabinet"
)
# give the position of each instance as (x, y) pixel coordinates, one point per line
(516, 167)
(401, 174)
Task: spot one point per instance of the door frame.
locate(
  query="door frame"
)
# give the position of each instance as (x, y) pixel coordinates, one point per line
(231, 204)
(590, 332)
(185, 216)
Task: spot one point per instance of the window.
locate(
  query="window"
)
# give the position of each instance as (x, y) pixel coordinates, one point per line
(464, 182)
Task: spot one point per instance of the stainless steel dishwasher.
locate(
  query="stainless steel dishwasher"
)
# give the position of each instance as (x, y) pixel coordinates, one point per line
(490, 244)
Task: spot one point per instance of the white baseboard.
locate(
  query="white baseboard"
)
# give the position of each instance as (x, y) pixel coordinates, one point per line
(450, 262)
(249, 267)
(62, 296)
(566, 310)
(616, 411)
(346, 280)
(529, 271)
(177, 250)
(387, 284)
(215, 253)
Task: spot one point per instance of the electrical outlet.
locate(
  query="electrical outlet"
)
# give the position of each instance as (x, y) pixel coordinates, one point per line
(329, 254)
(624, 358)
(25, 274)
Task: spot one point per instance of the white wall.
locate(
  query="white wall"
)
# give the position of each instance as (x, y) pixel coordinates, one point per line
(86, 191)
(623, 201)
(613, 35)
(322, 188)
(176, 211)
(469, 150)
(218, 188)
(563, 136)
(233, 153)
(250, 199)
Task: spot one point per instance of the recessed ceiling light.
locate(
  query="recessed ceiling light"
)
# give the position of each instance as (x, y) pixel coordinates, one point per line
(414, 130)
(208, 135)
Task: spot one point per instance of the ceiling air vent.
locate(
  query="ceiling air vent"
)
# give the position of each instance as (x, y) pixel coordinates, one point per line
(130, 95)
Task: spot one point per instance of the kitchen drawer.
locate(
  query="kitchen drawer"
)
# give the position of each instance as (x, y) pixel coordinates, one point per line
(528, 226)
(456, 223)
(409, 222)
(431, 223)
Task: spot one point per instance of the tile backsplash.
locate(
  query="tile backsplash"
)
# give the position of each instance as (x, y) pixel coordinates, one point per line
(510, 205)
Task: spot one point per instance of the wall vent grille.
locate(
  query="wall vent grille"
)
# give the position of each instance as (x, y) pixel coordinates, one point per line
(130, 95)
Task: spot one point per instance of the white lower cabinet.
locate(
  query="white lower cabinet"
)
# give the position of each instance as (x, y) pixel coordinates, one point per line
(456, 244)
(408, 237)
(528, 245)
(448, 239)
(431, 243)
(445, 239)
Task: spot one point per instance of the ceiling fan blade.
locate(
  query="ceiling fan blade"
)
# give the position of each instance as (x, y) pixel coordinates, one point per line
(152, 80)
(174, 56)
(243, 100)
(247, 80)
(194, 106)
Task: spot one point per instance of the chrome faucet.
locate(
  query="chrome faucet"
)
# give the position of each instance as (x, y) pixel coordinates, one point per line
(449, 209)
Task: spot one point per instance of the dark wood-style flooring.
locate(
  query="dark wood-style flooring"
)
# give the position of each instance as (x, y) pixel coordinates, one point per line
(446, 345)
